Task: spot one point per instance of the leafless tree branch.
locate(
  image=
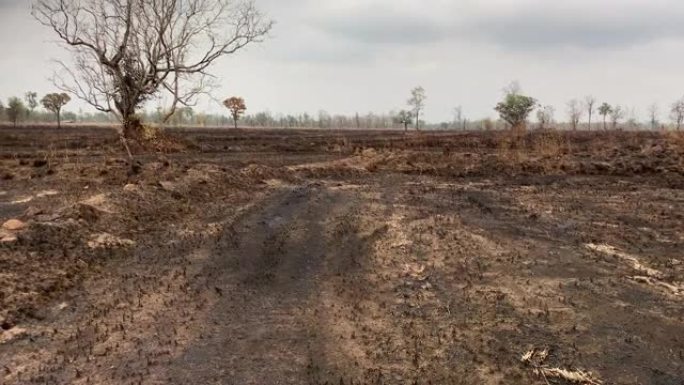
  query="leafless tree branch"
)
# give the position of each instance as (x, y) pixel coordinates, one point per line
(128, 51)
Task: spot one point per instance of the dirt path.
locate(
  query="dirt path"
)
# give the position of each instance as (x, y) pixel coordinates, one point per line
(271, 263)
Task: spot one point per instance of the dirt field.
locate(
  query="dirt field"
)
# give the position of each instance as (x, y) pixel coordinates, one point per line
(326, 257)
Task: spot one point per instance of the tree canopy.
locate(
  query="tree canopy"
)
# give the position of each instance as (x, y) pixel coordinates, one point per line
(515, 108)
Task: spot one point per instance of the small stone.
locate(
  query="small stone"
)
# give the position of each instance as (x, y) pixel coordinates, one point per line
(130, 187)
(602, 166)
(47, 193)
(14, 225)
(87, 213)
(168, 186)
(32, 211)
(11, 334)
(7, 237)
(96, 200)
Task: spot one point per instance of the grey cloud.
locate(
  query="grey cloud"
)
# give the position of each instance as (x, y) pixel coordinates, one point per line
(350, 55)
(549, 29)
(7, 4)
(531, 25)
(376, 25)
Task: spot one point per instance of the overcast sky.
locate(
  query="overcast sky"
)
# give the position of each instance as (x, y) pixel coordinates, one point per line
(347, 56)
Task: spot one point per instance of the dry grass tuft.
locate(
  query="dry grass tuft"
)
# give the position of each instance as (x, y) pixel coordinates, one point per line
(675, 139)
(574, 376)
(550, 144)
(535, 358)
(511, 146)
(155, 139)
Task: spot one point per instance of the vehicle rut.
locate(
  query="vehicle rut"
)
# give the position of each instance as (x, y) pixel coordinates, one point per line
(268, 268)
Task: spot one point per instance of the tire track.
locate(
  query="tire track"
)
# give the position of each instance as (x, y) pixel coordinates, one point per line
(270, 265)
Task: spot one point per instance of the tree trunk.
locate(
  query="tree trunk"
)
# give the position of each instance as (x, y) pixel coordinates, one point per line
(131, 130)
(59, 120)
(235, 123)
(589, 122)
(604, 123)
(132, 127)
(417, 120)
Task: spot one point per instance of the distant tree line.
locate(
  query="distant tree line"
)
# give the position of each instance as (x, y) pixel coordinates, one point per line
(516, 108)
(514, 112)
(24, 110)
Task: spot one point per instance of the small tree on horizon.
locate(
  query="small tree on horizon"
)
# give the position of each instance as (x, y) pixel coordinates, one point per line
(515, 108)
(653, 115)
(604, 110)
(574, 113)
(31, 99)
(617, 114)
(459, 120)
(237, 107)
(589, 103)
(54, 103)
(545, 116)
(417, 103)
(677, 113)
(404, 117)
(15, 108)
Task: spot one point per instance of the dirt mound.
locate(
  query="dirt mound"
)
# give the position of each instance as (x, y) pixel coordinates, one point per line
(261, 173)
(109, 241)
(618, 163)
(366, 161)
(14, 225)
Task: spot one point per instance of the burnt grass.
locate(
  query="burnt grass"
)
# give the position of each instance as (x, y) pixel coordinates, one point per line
(264, 256)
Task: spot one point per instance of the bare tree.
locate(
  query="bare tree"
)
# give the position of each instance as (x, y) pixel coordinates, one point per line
(589, 104)
(545, 116)
(324, 119)
(513, 88)
(616, 115)
(604, 110)
(54, 103)
(187, 114)
(417, 103)
(237, 107)
(653, 115)
(632, 118)
(458, 118)
(31, 99)
(574, 112)
(127, 51)
(677, 113)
